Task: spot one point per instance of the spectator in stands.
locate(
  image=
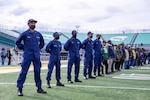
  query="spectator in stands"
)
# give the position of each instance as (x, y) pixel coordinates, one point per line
(97, 46)
(73, 45)
(54, 48)
(126, 60)
(3, 55)
(111, 56)
(31, 41)
(105, 56)
(87, 45)
(118, 58)
(9, 56)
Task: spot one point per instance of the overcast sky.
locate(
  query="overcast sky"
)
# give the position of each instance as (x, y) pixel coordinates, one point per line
(89, 14)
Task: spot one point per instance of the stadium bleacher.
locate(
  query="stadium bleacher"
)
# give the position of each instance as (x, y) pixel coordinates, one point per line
(119, 38)
(143, 38)
(8, 37)
(9, 32)
(6, 41)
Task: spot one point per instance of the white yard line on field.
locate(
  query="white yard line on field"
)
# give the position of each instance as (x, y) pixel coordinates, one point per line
(144, 68)
(86, 86)
(133, 76)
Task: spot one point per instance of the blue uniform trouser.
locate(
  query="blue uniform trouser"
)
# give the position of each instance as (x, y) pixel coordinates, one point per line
(97, 63)
(88, 64)
(73, 59)
(3, 60)
(53, 61)
(24, 69)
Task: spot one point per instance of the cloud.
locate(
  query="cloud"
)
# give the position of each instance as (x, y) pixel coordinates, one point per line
(108, 13)
(98, 18)
(20, 11)
(112, 10)
(4, 3)
(80, 6)
(96, 14)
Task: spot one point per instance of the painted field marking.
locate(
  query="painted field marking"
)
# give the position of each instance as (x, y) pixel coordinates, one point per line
(86, 86)
(17, 69)
(133, 76)
(144, 68)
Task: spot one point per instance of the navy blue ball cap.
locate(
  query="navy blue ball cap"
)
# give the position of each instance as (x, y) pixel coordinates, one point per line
(89, 33)
(32, 20)
(55, 34)
(98, 35)
(109, 41)
(74, 32)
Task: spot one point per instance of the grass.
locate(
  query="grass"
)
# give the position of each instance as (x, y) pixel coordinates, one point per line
(78, 91)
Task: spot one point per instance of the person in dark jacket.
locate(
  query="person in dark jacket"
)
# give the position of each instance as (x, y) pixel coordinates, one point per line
(111, 56)
(9, 56)
(122, 52)
(118, 58)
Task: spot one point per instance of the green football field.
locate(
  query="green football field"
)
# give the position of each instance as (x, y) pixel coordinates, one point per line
(133, 84)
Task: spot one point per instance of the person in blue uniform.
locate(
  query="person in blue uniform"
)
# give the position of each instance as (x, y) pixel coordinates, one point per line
(97, 46)
(87, 45)
(31, 42)
(73, 45)
(54, 48)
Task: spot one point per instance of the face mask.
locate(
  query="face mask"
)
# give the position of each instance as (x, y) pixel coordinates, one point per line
(32, 27)
(74, 36)
(91, 36)
(57, 37)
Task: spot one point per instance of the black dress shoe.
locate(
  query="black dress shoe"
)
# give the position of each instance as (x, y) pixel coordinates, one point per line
(92, 77)
(69, 81)
(40, 90)
(20, 92)
(101, 75)
(48, 84)
(59, 83)
(77, 80)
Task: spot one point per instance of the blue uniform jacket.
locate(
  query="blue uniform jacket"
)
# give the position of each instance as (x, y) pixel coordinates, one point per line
(87, 45)
(97, 46)
(73, 46)
(31, 43)
(54, 48)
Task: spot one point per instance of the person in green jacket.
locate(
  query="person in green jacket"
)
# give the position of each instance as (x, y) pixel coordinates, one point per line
(105, 55)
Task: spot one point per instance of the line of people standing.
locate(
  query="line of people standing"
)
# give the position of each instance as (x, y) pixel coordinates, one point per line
(103, 54)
